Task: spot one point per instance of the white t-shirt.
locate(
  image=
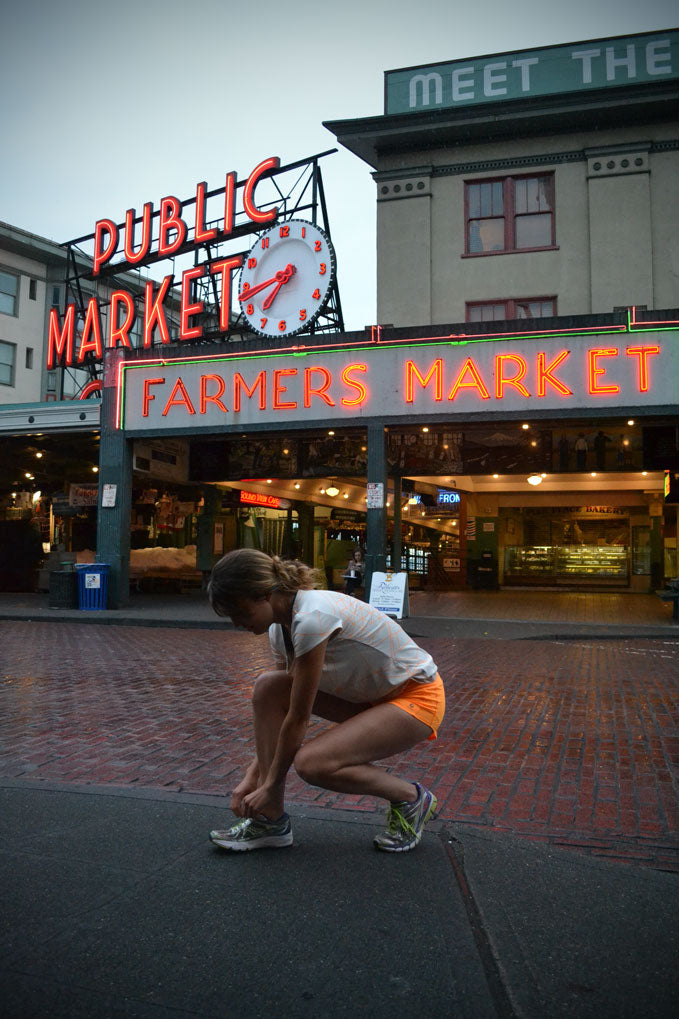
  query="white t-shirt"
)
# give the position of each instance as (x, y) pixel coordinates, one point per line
(369, 655)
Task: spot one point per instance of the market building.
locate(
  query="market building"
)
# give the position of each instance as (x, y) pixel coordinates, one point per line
(512, 420)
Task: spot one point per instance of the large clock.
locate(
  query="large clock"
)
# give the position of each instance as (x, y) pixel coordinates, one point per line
(286, 278)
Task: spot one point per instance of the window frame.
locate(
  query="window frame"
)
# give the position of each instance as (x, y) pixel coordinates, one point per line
(17, 277)
(510, 304)
(12, 364)
(509, 213)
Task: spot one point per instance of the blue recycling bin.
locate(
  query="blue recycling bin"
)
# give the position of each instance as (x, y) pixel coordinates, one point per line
(92, 585)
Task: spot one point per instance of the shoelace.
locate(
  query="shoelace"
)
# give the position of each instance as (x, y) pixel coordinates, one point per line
(396, 820)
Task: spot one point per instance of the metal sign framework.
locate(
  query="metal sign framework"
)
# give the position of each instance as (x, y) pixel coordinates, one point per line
(296, 189)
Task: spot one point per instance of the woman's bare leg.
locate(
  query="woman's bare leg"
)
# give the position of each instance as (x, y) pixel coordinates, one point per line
(340, 759)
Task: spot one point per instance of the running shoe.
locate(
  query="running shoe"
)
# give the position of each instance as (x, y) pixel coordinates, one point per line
(405, 822)
(254, 833)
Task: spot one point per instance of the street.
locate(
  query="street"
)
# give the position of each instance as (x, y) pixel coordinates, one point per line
(571, 742)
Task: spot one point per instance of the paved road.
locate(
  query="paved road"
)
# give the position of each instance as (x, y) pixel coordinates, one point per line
(574, 743)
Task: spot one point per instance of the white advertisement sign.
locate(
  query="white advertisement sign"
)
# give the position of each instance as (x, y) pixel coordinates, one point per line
(594, 373)
(389, 594)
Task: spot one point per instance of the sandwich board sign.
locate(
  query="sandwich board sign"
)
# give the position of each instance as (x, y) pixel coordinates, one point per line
(389, 594)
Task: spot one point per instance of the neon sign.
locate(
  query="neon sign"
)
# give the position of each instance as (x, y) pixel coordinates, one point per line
(259, 499)
(235, 390)
(65, 347)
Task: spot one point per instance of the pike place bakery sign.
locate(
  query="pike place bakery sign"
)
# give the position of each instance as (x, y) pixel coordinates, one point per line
(573, 372)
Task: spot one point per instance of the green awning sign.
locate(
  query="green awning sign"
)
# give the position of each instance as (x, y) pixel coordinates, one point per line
(575, 67)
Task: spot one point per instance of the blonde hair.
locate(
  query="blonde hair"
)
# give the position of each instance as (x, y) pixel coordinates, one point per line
(249, 573)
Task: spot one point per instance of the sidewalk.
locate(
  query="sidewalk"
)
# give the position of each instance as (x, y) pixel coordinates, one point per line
(116, 905)
(505, 614)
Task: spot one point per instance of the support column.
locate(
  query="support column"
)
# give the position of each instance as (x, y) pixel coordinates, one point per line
(396, 550)
(376, 517)
(115, 468)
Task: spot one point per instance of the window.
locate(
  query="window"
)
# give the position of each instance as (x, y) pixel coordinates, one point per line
(7, 361)
(520, 307)
(29, 357)
(32, 290)
(9, 291)
(510, 214)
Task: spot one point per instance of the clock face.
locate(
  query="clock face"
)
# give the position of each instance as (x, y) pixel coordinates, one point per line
(286, 278)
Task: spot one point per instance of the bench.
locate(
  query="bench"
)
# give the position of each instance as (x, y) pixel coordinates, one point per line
(671, 593)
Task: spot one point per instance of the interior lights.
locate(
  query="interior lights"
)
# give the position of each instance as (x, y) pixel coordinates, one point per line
(285, 452)
(38, 456)
(268, 481)
(346, 495)
(534, 479)
(525, 427)
(496, 476)
(533, 442)
(644, 473)
(331, 433)
(332, 491)
(630, 422)
(297, 484)
(593, 474)
(543, 475)
(95, 470)
(425, 429)
(321, 491)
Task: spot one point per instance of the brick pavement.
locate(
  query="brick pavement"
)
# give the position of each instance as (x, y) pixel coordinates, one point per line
(575, 743)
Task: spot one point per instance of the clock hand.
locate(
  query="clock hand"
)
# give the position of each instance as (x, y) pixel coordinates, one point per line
(287, 275)
(283, 275)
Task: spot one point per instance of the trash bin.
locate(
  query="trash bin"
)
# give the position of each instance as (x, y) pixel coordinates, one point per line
(92, 585)
(63, 589)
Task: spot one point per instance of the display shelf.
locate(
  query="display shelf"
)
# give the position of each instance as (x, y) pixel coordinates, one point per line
(596, 564)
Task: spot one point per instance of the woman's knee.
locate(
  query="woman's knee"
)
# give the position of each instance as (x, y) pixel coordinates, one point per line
(311, 766)
(271, 687)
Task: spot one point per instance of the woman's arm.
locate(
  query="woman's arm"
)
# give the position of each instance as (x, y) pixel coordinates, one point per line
(306, 675)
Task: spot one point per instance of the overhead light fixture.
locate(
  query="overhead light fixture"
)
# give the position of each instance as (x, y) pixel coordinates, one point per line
(95, 470)
(332, 491)
(425, 429)
(525, 427)
(496, 476)
(534, 479)
(630, 422)
(38, 456)
(346, 495)
(297, 485)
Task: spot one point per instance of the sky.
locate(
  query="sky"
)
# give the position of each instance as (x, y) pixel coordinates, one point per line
(107, 105)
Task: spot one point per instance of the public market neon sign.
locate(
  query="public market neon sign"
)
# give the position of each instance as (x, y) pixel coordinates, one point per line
(66, 348)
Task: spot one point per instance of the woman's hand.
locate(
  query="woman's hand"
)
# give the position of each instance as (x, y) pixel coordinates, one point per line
(248, 784)
(266, 800)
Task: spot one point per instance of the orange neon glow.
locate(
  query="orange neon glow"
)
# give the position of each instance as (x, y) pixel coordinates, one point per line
(545, 373)
(119, 334)
(476, 382)
(251, 210)
(643, 353)
(188, 308)
(279, 389)
(60, 341)
(240, 385)
(130, 254)
(147, 395)
(102, 253)
(229, 202)
(215, 398)
(170, 222)
(179, 397)
(201, 234)
(153, 311)
(92, 387)
(257, 499)
(594, 370)
(90, 342)
(321, 390)
(361, 391)
(226, 267)
(500, 381)
(412, 373)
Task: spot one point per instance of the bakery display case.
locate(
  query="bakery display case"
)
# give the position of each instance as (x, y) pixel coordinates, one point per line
(567, 564)
(597, 564)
